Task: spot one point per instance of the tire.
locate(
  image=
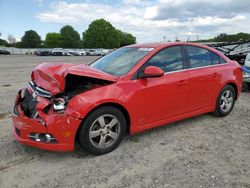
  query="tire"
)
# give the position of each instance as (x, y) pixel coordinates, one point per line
(244, 87)
(225, 101)
(102, 131)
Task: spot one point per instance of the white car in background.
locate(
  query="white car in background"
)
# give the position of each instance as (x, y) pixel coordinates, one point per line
(66, 53)
(57, 52)
(104, 52)
(72, 52)
(80, 52)
(98, 52)
(91, 52)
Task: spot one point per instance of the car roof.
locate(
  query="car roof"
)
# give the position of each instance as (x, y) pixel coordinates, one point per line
(163, 44)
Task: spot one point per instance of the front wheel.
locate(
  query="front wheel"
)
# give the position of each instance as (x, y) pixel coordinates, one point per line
(225, 101)
(103, 130)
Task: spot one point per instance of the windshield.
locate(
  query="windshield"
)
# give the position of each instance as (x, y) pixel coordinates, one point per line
(121, 61)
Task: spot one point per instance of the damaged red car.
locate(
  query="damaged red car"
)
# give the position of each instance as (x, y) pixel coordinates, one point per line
(132, 89)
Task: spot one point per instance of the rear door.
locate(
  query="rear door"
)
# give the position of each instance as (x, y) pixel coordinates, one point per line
(204, 77)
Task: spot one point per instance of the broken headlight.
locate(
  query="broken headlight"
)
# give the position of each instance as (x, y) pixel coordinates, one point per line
(59, 104)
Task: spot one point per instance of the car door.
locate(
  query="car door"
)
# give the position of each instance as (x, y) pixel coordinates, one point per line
(204, 77)
(163, 97)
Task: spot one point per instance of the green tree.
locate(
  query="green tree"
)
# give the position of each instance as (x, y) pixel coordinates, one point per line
(126, 38)
(31, 39)
(52, 40)
(3, 42)
(70, 38)
(223, 37)
(18, 44)
(101, 34)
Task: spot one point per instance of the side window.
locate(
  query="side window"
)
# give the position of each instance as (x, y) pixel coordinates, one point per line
(169, 59)
(199, 57)
(214, 58)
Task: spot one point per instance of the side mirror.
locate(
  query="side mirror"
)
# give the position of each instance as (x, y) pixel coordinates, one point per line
(152, 72)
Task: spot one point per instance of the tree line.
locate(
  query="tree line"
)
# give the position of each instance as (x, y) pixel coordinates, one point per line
(223, 37)
(100, 34)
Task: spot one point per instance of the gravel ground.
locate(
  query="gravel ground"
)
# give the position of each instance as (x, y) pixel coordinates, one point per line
(203, 151)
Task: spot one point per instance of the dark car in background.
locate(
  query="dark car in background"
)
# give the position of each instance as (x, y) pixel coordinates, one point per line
(4, 52)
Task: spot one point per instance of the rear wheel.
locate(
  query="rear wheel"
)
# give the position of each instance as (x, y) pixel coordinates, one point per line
(225, 101)
(103, 130)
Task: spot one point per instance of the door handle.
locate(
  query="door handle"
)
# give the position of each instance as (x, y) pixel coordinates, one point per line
(182, 82)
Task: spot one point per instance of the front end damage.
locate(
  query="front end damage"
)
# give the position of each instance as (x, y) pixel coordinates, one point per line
(39, 117)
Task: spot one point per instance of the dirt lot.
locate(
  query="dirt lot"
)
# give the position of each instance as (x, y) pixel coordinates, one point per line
(203, 151)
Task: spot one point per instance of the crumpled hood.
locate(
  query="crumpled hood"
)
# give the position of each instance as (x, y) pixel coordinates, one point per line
(51, 76)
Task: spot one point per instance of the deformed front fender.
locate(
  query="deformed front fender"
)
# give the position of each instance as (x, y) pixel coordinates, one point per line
(80, 105)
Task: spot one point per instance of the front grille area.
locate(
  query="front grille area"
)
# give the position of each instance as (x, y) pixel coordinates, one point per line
(28, 105)
(38, 90)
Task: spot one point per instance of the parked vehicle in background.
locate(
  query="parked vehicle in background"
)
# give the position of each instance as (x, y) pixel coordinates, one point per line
(57, 52)
(132, 89)
(246, 73)
(66, 53)
(80, 52)
(4, 52)
(98, 52)
(72, 52)
(37, 52)
(45, 52)
(91, 52)
(104, 52)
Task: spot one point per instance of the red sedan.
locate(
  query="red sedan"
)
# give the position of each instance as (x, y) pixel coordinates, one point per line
(132, 89)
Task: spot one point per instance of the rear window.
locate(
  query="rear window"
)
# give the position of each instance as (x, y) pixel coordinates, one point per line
(199, 57)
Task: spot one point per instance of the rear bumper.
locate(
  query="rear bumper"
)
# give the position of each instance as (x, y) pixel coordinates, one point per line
(61, 126)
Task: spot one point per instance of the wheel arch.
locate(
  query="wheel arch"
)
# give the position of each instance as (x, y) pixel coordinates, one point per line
(112, 104)
(234, 85)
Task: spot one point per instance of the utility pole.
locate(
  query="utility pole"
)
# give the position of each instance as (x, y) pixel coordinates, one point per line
(164, 38)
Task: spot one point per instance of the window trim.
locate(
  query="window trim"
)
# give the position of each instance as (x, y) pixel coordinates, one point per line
(195, 68)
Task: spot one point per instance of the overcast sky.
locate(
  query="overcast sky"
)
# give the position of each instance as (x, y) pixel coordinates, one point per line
(149, 21)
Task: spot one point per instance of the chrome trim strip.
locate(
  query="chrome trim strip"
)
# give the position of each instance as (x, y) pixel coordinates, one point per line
(35, 116)
(39, 91)
(195, 68)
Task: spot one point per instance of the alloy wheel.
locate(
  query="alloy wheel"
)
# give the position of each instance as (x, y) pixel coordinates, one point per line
(104, 131)
(226, 101)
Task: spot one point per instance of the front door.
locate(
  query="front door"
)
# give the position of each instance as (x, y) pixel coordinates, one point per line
(163, 97)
